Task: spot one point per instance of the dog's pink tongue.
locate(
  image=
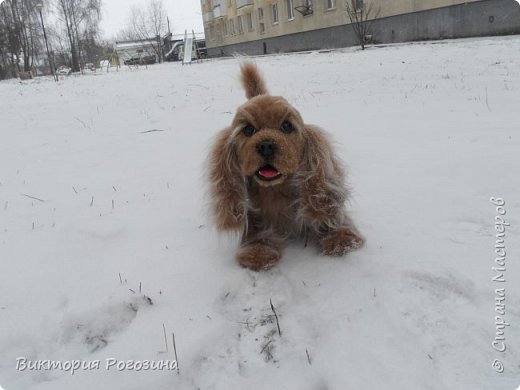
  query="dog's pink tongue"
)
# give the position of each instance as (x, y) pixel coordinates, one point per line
(268, 172)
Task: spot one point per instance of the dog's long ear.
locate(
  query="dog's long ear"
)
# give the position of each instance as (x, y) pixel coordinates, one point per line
(252, 80)
(228, 187)
(323, 191)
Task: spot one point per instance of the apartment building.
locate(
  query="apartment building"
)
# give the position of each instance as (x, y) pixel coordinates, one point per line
(271, 26)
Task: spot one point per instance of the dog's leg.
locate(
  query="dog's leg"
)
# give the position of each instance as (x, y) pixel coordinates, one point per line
(323, 195)
(260, 248)
(325, 215)
(335, 232)
(339, 241)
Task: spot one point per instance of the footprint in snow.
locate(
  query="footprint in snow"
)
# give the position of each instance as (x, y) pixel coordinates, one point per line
(96, 328)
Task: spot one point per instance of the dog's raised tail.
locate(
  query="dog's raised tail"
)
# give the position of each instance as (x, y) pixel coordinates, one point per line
(252, 81)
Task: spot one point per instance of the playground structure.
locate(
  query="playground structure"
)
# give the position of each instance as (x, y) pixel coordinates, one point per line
(191, 49)
(108, 61)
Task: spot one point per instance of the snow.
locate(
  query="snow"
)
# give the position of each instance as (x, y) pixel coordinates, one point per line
(429, 132)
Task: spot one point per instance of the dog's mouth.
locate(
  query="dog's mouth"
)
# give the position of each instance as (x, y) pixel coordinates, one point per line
(268, 173)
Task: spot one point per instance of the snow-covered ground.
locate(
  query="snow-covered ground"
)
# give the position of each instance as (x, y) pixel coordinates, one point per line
(96, 202)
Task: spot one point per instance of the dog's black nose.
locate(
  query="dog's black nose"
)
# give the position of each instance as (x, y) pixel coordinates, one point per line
(266, 148)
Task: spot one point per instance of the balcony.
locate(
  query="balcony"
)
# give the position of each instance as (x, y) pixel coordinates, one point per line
(244, 3)
(207, 16)
(219, 11)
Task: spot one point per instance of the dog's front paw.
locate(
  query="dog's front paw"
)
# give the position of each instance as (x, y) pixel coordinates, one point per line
(340, 241)
(258, 256)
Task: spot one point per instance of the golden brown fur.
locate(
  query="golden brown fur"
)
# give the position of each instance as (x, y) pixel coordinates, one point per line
(274, 178)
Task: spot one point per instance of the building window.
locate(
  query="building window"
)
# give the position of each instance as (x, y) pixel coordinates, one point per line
(331, 4)
(261, 25)
(240, 25)
(249, 22)
(231, 27)
(225, 28)
(290, 9)
(218, 33)
(274, 11)
(358, 4)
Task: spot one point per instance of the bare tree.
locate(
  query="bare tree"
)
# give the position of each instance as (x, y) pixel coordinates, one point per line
(148, 24)
(86, 25)
(64, 11)
(9, 43)
(78, 17)
(20, 40)
(361, 16)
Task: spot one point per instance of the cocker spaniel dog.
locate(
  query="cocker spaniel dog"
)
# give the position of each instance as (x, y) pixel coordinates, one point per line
(275, 178)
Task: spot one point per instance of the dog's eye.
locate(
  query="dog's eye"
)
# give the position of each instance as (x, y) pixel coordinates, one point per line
(248, 130)
(286, 127)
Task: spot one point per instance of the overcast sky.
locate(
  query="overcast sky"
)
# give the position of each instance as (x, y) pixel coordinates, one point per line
(183, 14)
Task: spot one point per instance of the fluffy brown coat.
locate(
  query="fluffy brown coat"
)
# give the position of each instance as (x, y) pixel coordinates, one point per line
(274, 178)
